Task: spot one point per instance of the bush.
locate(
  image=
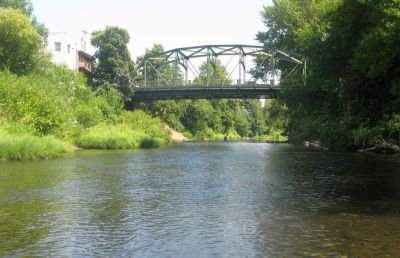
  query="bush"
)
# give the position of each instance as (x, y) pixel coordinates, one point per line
(148, 143)
(56, 101)
(138, 120)
(19, 41)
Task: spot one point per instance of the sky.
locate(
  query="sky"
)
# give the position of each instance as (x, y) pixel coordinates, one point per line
(173, 23)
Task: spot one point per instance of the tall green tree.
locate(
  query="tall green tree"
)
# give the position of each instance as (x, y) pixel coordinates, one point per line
(159, 72)
(151, 74)
(114, 63)
(212, 73)
(19, 42)
(351, 94)
(26, 7)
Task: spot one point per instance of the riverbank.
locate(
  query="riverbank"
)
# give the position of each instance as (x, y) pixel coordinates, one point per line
(383, 148)
(134, 130)
(175, 135)
(26, 146)
(31, 147)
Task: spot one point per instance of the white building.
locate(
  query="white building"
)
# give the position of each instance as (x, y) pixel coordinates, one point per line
(66, 51)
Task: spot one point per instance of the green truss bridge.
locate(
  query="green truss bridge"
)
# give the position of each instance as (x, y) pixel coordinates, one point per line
(196, 72)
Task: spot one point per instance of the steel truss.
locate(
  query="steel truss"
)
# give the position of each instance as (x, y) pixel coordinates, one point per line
(181, 60)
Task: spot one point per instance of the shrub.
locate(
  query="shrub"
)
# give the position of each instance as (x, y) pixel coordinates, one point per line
(138, 120)
(148, 143)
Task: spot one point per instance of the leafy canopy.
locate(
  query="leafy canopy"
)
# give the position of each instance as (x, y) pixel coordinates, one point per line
(114, 61)
(26, 7)
(19, 41)
(352, 93)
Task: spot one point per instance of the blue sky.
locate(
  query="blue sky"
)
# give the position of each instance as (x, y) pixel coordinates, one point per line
(173, 23)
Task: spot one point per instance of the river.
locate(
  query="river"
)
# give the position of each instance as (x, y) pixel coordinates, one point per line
(227, 199)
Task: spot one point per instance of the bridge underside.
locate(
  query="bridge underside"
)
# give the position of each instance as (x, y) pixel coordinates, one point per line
(144, 94)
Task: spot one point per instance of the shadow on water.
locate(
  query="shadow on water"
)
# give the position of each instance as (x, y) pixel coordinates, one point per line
(334, 204)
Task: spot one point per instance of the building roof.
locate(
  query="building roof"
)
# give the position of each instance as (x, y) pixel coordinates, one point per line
(86, 55)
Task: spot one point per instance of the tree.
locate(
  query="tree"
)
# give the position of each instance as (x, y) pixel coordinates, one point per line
(159, 72)
(352, 89)
(114, 61)
(256, 117)
(26, 7)
(19, 42)
(212, 73)
(275, 115)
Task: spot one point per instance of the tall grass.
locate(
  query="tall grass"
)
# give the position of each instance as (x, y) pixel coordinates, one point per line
(109, 137)
(30, 147)
(137, 130)
(17, 142)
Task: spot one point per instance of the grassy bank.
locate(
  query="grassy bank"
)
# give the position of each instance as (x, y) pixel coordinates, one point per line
(117, 137)
(275, 136)
(26, 146)
(46, 113)
(134, 130)
(30, 147)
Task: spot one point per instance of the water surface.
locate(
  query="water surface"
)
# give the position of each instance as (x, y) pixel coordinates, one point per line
(202, 200)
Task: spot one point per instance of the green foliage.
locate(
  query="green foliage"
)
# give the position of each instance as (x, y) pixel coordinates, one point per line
(19, 42)
(215, 119)
(25, 6)
(109, 137)
(56, 101)
(242, 123)
(17, 144)
(169, 111)
(136, 130)
(200, 118)
(140, 121)
(276, 116)
(256, 117)
(109, 101)
(296, 24)
(197, 116)
(212, 73)
(352, 93)
(159, 72)
(33, 101)
(206, 119)
(149, 143)
(114, 64)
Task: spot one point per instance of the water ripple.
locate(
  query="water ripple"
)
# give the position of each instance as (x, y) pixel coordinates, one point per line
(201, 200)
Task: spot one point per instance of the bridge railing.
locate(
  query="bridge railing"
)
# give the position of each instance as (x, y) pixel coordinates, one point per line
(211, 84)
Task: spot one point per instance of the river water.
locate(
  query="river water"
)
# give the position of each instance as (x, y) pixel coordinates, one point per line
(202, 200)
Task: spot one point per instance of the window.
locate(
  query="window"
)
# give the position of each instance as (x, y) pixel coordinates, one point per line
(57, 46)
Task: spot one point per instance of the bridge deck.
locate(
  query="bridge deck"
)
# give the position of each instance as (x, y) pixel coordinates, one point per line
(228, 92)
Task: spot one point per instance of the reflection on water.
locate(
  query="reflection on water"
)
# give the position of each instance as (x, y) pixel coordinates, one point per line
(202, 200)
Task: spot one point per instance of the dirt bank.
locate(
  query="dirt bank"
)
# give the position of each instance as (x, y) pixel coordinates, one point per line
(176, 136)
